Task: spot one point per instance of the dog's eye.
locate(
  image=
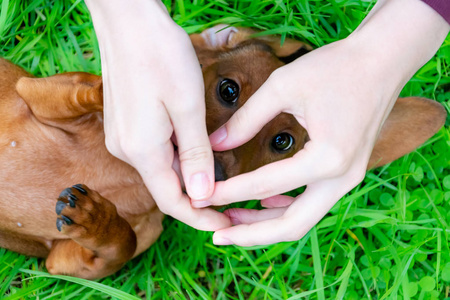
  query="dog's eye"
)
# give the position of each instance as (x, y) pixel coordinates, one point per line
(228, 91)
(282, 142)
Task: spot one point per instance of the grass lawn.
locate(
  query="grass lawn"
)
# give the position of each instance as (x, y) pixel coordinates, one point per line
(386, 239)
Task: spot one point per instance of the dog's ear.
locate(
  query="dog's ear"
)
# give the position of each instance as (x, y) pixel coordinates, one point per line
(225, 37)
(211, 42)
(62, 96)
(220, 37)
(412, 121)
(287, 52)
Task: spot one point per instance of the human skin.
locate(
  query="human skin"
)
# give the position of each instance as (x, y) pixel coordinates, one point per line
(154, 93)
(341, 94)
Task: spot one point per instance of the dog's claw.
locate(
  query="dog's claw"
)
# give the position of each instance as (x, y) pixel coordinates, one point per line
(60, 205)
(59, 224)
(72, 198)
(63, 221)
(72, 208)
(66, 220)
(80, 188)
(65, 193)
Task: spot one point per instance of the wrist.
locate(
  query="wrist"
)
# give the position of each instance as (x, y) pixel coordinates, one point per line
(127, 18)
(399, 37)
(120, 7)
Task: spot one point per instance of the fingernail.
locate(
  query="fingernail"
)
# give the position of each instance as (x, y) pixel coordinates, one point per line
(218, 136)
(201, 204)
(221, 241)
(199, 186)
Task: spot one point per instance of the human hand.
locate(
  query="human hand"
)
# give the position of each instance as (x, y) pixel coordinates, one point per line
(332, 162)
(341, 94)
(153, 91)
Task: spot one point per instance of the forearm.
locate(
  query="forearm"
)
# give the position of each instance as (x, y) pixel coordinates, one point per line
(141, 31)
(119, 22)
(113, 12)
(401, 36)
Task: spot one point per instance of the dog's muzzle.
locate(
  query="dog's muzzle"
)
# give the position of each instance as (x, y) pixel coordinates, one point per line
(219, 172)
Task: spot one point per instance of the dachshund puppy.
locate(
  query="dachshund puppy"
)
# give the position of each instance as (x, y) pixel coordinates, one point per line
(51, 137)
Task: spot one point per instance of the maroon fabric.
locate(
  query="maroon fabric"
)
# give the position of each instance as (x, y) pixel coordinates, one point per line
(442, 7)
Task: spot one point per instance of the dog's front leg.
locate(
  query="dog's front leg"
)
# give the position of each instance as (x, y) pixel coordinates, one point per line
(99, 241)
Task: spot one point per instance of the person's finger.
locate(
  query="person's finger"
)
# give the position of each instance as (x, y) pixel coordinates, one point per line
(297, 220)
(194, 148)
(177, 169)
(248, 216)
(277, 201)
(163, 183)
(273, 179)
(166, 190)
(248, 120)
(260, 233)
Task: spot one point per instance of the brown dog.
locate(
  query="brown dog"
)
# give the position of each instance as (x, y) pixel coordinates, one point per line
(51, 136)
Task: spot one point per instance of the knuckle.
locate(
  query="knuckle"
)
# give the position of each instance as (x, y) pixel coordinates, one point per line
(355, 176)
(221, 201)
(237, 213)
(238, 121)
(131, 152)
(126, 150)
(113, 146)
(206, 224)
(276, 75)
(293, 231)
(292, 236)
(191, 106)
(359, 175)
(343, 163)
(338, 161)
(195, 155)
(118, 144)
(165, 208)
(276, 84)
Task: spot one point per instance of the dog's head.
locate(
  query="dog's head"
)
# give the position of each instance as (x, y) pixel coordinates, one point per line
(235, 64)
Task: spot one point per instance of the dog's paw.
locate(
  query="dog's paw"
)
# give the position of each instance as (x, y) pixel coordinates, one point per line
(82, 213)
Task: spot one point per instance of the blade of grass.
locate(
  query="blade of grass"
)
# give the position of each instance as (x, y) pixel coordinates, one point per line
(317, 264)
(113, 292)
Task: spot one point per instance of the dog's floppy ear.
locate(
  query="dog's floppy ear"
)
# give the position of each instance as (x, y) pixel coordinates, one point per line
(412, 121)
(287, 52)
(220, 37)
(62, 96)
(225, 37)
(210, 43)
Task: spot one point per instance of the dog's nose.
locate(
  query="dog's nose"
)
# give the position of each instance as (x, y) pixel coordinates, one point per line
(219, 172)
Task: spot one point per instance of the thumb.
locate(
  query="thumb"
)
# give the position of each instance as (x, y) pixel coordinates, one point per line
(248, 120)
(195, 154)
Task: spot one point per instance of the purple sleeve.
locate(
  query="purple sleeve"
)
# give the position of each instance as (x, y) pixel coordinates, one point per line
(442, 7)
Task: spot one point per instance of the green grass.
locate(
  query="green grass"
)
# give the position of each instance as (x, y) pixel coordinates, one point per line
(387, 239)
